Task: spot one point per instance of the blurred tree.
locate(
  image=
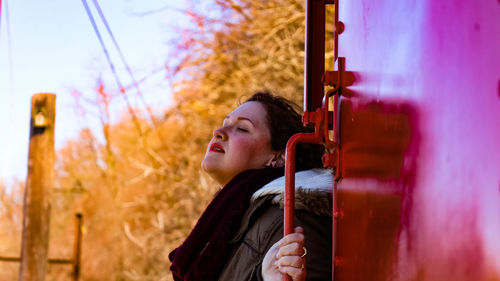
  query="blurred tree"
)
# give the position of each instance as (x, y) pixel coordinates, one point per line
(140, 189)
(11, 219)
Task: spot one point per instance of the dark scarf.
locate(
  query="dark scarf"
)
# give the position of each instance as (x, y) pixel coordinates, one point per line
(206, 250)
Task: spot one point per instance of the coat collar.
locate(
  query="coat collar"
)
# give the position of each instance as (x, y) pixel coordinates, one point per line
(314, 179)
(313, 191)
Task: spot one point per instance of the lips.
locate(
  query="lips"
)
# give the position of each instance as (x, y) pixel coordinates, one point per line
(215, 147)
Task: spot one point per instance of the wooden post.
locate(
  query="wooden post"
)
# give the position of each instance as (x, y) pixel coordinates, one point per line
(36, 217)
(77, 247)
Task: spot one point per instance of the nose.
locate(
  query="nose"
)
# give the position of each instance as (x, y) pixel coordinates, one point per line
(220, 134)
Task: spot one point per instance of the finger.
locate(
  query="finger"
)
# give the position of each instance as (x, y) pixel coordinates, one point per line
(272, 253)
(275, 246)
(299, 229)
(292, 249)
(293, 261)
(292, 238)
(269, 265)
(297, 274)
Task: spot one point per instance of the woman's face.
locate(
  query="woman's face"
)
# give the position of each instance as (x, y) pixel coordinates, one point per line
(243, 142)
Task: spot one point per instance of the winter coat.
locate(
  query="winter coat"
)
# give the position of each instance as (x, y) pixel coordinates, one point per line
(262, 226)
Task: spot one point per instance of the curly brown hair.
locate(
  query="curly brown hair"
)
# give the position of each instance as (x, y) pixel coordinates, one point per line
(284, 121)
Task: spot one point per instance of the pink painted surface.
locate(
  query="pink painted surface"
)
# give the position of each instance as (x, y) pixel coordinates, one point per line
(438, 63)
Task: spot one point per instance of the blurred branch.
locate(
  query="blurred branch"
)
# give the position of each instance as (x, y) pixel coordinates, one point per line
(131, 237)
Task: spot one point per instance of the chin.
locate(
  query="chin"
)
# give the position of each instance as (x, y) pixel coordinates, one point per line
(208, 165)
(204, 165)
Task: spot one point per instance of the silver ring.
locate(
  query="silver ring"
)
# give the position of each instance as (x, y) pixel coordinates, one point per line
(305, 252)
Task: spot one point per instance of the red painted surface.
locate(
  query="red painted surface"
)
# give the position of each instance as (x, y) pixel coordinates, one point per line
(420, 141)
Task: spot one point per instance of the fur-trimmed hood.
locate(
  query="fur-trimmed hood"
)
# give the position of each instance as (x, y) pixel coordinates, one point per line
(313, 191)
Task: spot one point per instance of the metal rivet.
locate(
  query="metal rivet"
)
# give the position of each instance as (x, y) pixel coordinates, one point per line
(338, 261)
(339, 27)
(498, 88)
(338, 214)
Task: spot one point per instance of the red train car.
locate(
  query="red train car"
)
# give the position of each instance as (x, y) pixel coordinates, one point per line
(416, 137)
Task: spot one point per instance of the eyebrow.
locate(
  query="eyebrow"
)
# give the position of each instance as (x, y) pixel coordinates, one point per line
(242, 118)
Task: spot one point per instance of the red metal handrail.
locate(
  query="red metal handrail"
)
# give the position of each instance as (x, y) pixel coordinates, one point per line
(320, 136)
(290, 175)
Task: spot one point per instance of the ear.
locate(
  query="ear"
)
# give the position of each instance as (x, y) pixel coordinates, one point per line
(278, 160)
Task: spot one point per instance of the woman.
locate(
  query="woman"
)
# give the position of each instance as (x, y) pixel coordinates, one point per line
(239, 236)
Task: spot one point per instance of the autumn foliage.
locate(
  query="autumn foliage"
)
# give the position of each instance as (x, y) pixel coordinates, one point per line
(139, 186)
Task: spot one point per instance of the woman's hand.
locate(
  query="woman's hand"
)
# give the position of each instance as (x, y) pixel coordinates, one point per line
(286, 256)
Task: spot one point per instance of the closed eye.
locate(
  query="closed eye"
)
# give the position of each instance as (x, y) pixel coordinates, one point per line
(242, 130)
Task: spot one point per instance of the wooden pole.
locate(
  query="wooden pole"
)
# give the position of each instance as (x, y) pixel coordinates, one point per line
(77, 247)
(36, 217)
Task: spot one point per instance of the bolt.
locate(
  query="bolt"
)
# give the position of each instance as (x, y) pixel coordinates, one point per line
(338, 261)
(338, 214)
(498, 88)
(339, 27)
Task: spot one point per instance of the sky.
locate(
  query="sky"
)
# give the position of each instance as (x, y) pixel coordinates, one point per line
(51, 47)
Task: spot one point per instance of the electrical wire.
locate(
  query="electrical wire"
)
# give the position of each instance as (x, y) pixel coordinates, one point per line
(10, 135)
(0, 15)
(9, 48)
(113, 70)
(124, 61)
(147, 77)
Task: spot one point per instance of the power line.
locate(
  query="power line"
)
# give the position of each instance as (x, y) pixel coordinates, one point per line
(5, 9)
(147, 76)
(113, 70)
(134, 81)
(0, 15)
(9, 46)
